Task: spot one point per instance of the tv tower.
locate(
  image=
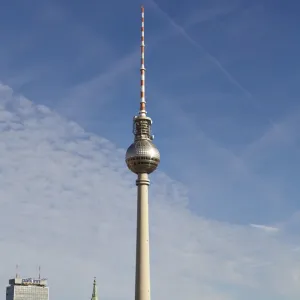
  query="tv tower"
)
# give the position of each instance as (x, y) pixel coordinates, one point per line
(142, 158)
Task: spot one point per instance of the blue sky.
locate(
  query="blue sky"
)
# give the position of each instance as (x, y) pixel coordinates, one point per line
(221, 86)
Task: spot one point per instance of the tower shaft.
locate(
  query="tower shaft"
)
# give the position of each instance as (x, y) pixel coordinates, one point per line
(142, 272)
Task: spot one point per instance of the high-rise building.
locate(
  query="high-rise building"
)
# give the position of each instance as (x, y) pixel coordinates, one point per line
(27, 289)
(142, 158)
(95, 291)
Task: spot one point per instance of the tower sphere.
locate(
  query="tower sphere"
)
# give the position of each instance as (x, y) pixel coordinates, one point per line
(142, 156)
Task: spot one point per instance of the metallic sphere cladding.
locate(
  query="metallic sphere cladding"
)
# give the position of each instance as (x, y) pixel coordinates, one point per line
(142, 157)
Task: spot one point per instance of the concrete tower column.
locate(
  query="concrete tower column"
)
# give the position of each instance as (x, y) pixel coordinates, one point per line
(142, 273)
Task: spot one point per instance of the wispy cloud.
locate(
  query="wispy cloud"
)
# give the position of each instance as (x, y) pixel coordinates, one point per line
(68, 204)
(109, 80)
(212, 13)
(104, 84)
(268, 229)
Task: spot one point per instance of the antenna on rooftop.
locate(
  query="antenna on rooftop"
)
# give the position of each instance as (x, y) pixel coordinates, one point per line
(17, 271)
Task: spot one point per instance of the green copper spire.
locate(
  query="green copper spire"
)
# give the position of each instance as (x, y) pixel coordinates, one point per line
(95, 292)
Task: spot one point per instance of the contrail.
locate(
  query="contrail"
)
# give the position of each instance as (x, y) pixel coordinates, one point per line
(213, 59)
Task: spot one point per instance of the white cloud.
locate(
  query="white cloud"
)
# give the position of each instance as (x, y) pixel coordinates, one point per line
(68, 203)
(268, 229)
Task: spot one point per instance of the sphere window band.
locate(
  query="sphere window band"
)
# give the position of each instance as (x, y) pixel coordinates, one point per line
(149, 164)
(143, 157)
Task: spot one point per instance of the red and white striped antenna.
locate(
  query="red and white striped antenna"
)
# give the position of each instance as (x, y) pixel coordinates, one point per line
(143, 69)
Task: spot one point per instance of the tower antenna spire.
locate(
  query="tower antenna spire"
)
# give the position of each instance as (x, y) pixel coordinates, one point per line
(142, 111)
